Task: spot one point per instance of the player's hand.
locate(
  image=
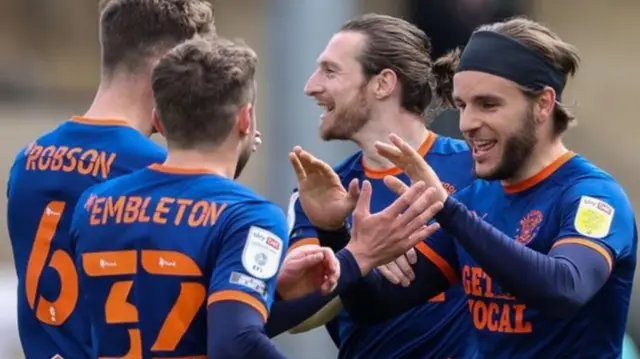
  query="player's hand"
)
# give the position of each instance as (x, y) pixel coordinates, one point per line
(400, 271)
(403, 156)
(322, 197)
(307, 269)
(379, 238)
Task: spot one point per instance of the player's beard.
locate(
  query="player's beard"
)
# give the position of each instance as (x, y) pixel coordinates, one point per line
(243, 159)
(517, 150)
(348, 118)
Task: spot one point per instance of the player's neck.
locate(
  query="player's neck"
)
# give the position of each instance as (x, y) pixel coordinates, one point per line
(216, 161)
(544, 154)
(409, 127)
(130, 101)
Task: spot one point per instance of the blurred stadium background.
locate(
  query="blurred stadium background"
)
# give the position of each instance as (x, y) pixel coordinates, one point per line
(49, 66)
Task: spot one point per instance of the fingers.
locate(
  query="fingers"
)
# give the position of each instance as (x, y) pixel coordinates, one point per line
(311, 163)
(297, 167)
(395, 185)
(405, 281)
(416, 208)
(390, 152)
(412, 256)
(354, 189)
(388, 274)
(423, 233)
(304, 257)
(317, 164)
(332, 271)
(405, 148)
(405, 200)
(331, 263)
(425, 216)
(364, 201)
(405, 268)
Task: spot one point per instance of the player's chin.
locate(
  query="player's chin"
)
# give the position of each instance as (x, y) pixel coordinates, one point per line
(485, 169)
(329, 132)
(326, 133)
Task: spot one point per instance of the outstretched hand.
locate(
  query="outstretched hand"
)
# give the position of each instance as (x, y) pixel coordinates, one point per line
(380, 238)
(403, 156)
(323, 198)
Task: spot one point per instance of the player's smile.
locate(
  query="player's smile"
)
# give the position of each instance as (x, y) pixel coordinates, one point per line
(482, 148)
(328, 109)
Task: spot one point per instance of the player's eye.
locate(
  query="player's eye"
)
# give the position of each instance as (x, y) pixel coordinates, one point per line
(329, 72)
(489, 105)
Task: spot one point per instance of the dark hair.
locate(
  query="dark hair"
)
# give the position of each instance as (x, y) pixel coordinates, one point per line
(135, 33)
(199, 87)
(395, 44)
(537, 37)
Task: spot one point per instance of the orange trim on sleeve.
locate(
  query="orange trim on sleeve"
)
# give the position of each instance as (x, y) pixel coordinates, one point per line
(304, 242)
(540, 176)
(591, 244)
(99, 121)
(238, 296)
(440, 262)
(394, 171)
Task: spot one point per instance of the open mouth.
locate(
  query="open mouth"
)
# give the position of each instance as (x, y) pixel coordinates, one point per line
(328, 109)
(481, 147)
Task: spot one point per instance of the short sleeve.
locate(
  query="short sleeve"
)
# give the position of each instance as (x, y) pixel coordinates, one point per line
(440, 249)
(597, 213)
(301, 231)
(251, 250)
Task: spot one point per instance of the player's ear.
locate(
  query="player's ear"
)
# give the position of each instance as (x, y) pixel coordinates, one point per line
(245, 114)
(545, 105)
(385, 83)
(157, 124)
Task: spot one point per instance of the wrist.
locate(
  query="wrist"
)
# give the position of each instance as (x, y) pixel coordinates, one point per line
(361, 256)
(449, 207)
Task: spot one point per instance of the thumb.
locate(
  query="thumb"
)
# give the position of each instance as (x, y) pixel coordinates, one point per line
(395, 185)
(354, 191)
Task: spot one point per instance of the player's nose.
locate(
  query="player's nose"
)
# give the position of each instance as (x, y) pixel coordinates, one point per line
(312, 87)
(469, 121)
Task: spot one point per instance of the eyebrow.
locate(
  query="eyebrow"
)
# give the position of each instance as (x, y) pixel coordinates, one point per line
(480, 98)
(327, 63)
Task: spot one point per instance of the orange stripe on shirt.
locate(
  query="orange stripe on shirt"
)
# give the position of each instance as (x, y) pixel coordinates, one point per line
(593, 245)
(304, 242)
(440, 262)
(99, 121)
(238, 296)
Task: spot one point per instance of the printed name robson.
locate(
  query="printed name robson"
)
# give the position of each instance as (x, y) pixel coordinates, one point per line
(166, 210)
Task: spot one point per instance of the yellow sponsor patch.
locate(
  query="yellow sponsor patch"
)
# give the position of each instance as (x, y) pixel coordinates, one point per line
(594, 217)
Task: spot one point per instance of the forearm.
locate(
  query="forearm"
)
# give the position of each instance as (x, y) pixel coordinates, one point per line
(235, 331)
(286, 314)
(560, 282)
(320, 318)
(374, 299)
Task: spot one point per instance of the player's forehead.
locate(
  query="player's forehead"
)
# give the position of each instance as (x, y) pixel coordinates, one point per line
(342, 49)
(468, 85)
